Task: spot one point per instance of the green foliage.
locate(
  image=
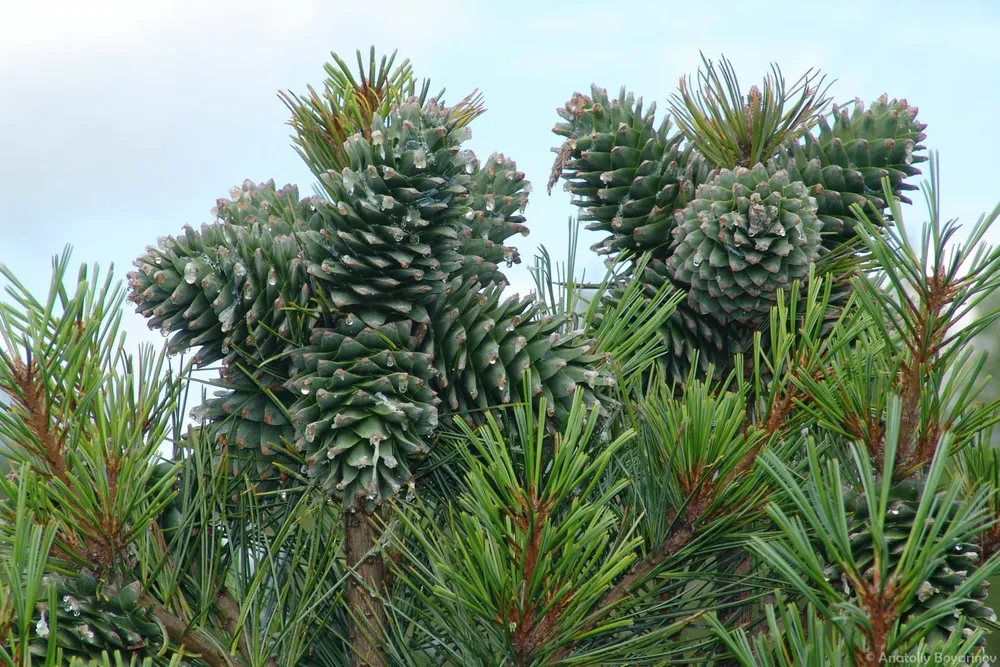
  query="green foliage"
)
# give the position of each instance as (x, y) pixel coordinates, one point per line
(731, 130)
(135, 553)
(85, 421)
(348, 105)
(519, 570)
(891, 554)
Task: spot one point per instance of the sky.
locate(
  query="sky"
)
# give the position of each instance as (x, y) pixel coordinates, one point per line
(124, 121)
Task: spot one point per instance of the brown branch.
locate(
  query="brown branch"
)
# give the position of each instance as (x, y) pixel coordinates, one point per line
(742, 614)
(523, 638)
(639, 571)
(179, 632)
(529, 632)
(366, 621)
(775, 421)
(229, 610)
(684, 532)
(685, 529)
(30, 398)
(29, 395)
(883, 610)
(909, 423)
(642, 568)
(989, 540)
(917, 445)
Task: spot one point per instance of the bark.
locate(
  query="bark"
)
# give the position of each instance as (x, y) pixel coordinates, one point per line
(229, 610)
(641, 569)
(366, 620)
(190, 639)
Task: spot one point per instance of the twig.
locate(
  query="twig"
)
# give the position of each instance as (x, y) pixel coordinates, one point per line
(178, 631)
(678, 540)
(229, 609)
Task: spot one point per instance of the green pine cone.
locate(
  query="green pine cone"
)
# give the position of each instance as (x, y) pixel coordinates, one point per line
(365, 406)
(626, 175)
(253, 425)
(498, 195)
(214, 289)
(941, 585)
(223, 290)
(391, 234)
(749, 233)
(88, 621)
(846, 163)
(483, 345)
(684, 332)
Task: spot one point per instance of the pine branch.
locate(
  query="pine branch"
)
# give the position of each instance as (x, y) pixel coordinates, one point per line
(179, 632)
(29, 395)
(365, 588)
(731, 129)
(229, 609)
(640, 571)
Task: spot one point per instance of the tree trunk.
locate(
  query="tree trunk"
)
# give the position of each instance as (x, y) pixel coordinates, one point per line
(366, 619)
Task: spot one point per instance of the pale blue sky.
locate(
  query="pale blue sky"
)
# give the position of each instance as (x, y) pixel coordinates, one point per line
(122, 121)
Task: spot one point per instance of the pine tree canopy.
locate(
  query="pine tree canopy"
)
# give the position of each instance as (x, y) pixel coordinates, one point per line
(763, 438)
